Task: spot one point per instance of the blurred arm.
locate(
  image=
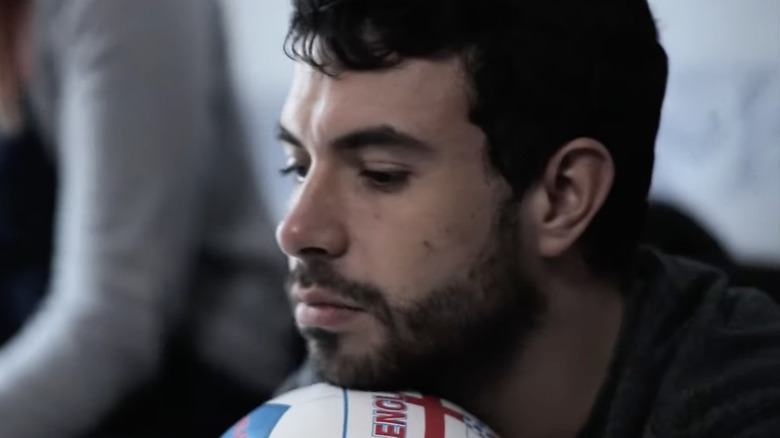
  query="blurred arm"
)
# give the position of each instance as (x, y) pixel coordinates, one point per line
(131, 131)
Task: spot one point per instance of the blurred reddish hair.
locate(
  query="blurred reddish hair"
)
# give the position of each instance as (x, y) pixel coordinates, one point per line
(12, 14)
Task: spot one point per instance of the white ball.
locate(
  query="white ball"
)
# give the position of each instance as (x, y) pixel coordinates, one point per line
(325, 411)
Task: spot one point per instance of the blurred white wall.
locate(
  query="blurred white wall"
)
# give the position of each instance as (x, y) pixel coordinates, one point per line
(256, 31)
(719, 146)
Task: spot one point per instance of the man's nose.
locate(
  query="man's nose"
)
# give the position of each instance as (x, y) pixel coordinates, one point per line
(314, 226)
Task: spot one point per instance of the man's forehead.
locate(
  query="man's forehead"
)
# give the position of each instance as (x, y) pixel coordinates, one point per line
(413, 83)
(411, 72)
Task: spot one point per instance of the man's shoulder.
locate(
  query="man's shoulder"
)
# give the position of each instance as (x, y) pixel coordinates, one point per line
(691, 296)
(701, 302)
(723, 376)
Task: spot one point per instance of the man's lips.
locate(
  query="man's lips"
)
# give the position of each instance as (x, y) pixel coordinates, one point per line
(317, 296)
(317, 307)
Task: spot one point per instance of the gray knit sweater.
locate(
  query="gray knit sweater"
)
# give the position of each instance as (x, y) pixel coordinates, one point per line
(159, 226)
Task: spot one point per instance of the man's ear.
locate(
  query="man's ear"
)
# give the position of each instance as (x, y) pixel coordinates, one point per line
(571, 191)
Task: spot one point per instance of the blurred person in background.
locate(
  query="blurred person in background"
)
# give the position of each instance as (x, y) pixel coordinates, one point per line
(159, 235)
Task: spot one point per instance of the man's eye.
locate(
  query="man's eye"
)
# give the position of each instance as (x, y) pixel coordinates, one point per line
(298, 170)
(386, 180)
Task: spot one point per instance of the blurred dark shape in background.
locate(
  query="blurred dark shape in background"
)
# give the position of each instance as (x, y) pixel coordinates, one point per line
(27, 192)
(674, 231)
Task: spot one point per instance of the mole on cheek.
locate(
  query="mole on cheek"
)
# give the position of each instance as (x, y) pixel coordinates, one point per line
(427, 245)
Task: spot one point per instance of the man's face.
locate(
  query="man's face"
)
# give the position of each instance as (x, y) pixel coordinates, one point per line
(404, 246)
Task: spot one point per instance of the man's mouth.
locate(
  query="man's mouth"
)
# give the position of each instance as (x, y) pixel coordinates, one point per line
(319, 308)
(318, 296)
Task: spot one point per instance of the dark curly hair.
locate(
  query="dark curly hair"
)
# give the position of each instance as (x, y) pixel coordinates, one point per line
(542, 72)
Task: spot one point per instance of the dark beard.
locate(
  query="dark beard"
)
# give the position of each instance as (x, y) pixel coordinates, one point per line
(453, 341)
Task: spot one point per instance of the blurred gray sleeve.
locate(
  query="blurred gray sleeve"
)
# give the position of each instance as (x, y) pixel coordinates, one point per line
(131, 127)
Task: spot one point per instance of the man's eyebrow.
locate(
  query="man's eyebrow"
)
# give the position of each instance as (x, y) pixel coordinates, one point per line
(375, 136)
(381, 136)
(283, 134)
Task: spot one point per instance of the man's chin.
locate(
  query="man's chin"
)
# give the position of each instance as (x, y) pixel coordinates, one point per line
(350, 360)
(336, 370)
(348, 369)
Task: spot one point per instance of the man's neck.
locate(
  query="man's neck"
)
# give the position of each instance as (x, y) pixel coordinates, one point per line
(551, 389)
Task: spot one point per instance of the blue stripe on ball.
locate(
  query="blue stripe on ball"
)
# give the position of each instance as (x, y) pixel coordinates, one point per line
(259, 424)
(263, 420)
(346, 412)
